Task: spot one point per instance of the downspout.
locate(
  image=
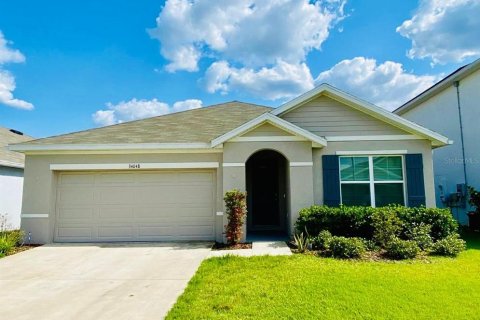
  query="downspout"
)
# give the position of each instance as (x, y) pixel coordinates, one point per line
(456, 84)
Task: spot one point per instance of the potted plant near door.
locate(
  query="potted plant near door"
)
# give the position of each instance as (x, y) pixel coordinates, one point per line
(474, 216)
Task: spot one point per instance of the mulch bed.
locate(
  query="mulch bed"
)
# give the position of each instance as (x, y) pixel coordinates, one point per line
(223, 246)
(23, 248)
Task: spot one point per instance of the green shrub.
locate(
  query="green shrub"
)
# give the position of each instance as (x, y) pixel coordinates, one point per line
(450, 246)
(399, 249)
(236, 210)
(441, 220)
(340, 221)
(9, 240)
(358, 221)
(346, 248)
(421, 235)
(386, 225)
(322, 241)
(301, 241)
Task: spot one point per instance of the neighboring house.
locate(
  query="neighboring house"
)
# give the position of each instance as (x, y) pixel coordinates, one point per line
(452, 108)
(164, 178)
(11, 177)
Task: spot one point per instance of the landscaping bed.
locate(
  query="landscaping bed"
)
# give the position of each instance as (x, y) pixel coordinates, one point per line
(236, 246)
(392, 232)
(11, 242)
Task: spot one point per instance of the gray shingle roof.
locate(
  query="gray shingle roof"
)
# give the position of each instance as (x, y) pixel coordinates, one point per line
(198, 125)
(11, 158)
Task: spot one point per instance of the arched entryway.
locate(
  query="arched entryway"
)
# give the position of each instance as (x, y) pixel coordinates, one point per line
(266, 178)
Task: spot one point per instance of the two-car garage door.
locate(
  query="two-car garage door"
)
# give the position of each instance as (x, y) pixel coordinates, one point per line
(135, 206)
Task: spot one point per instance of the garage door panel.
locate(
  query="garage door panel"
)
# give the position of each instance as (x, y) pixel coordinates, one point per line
(117, 178)
(76, 179)
(135, 206)
(75, 213)
(115, 212)
(75, 195)
(123, 232)
(173, 212)
(66, 233)
(193, 232)
(115, 195)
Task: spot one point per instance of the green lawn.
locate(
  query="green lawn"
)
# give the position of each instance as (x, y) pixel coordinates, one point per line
(307, 287)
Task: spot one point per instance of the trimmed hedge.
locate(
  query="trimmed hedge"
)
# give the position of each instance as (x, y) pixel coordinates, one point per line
(451, 246)
(359, 221)
(399, 249)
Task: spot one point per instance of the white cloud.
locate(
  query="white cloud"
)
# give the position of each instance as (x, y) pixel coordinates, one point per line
(7, 86)
(444, 30)
(139, 109)
(283, 80)
(8, 55)
(7, 81)
(387, 84)
(253, 33)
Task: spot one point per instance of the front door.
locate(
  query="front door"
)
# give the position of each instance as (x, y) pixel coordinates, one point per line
(266, 191)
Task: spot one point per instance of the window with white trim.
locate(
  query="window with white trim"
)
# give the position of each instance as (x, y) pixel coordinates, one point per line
(374, 181)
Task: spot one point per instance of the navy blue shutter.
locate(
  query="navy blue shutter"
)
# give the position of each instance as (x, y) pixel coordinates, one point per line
(331, 181)
(415, 181)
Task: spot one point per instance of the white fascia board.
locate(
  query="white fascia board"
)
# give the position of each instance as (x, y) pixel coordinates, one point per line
(272, 119)
(365, 107)
(106, 147)
(10, 164)
(133, 166)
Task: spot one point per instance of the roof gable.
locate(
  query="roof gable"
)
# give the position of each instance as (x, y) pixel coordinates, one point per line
(362, 106)
(268, 118)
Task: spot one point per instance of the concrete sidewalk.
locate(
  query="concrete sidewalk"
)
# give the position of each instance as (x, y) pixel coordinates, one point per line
(259, 248)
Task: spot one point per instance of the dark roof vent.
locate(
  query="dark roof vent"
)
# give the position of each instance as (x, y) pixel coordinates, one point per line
(16, 132)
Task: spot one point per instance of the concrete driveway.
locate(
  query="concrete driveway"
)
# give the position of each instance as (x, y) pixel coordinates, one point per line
(103, 281)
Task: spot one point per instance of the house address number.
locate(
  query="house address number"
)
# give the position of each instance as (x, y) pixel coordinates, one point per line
(134, 165)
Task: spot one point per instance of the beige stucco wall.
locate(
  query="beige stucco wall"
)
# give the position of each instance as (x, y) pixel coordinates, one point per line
(40, 184)
(411, 146)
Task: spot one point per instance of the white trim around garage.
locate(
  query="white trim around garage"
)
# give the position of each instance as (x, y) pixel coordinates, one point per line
(133, 166)
(34, 215)
(371, 152)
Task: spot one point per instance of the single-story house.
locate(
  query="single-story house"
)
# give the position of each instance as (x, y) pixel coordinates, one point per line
(164, 178)
(11, 178)
(451, 107)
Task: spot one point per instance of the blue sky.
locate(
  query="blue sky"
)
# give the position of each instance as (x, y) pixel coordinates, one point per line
(71, 65)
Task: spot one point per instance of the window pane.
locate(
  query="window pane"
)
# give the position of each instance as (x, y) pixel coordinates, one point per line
(388, 193)
(354, 169)
(357, 194)
(387, 168)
